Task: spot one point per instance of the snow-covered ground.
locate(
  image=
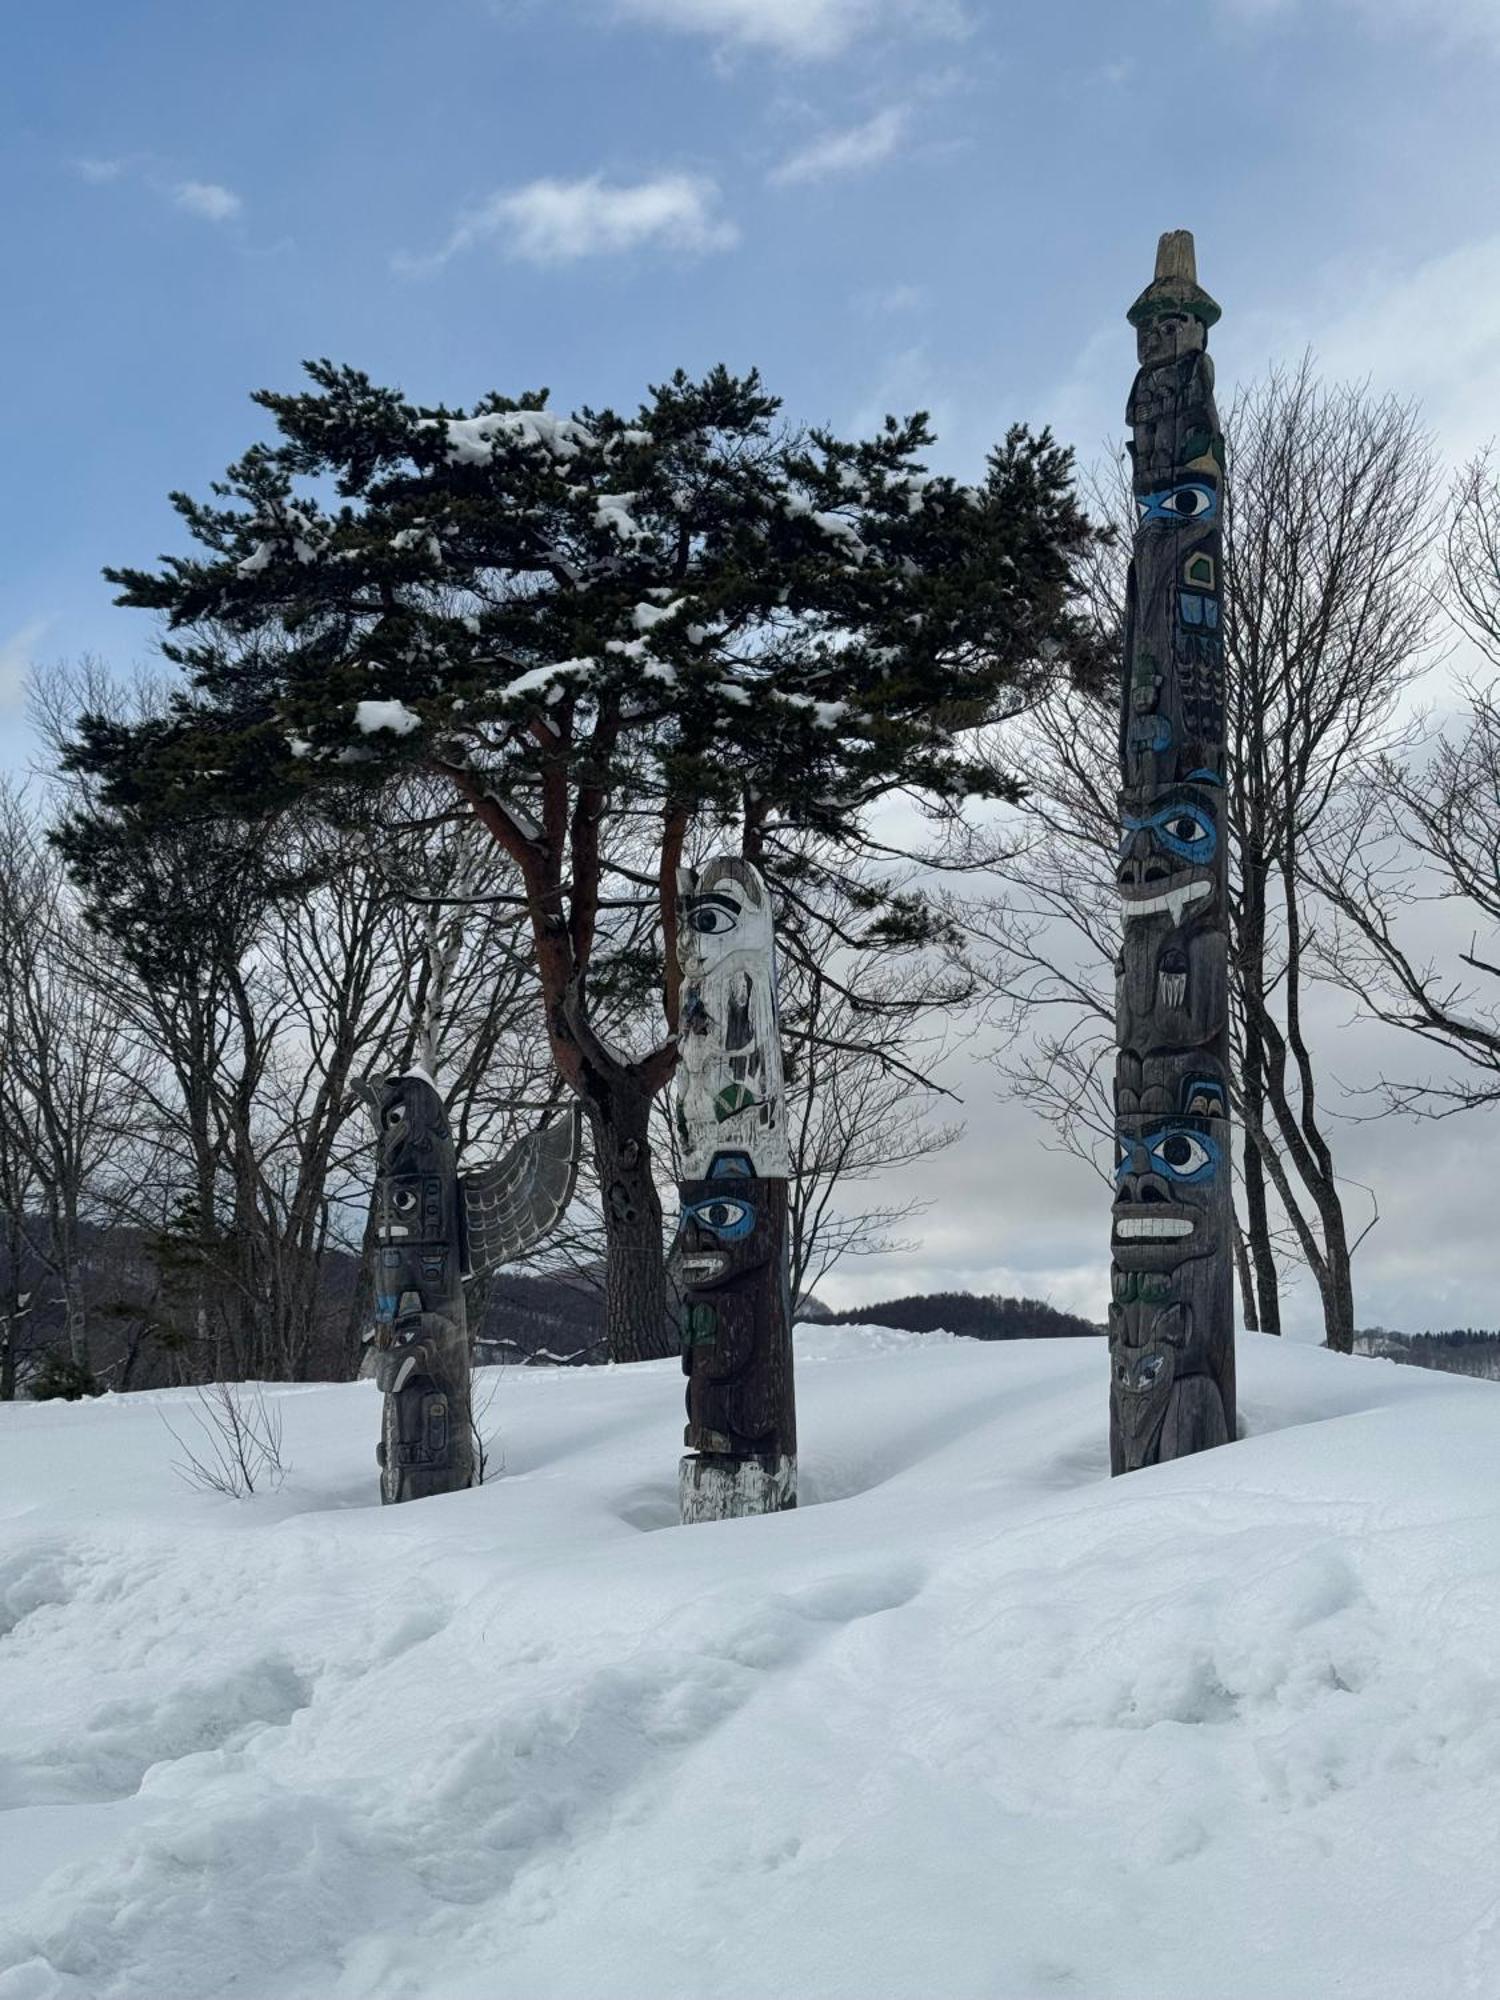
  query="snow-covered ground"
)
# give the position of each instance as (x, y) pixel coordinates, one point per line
(975, 1721)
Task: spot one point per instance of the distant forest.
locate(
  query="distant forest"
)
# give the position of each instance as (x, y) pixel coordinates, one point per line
(1459, 1350)
(977, 1316)
(550, 1319)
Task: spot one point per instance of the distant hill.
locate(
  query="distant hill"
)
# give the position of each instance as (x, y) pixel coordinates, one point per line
(543, 1321)
(974, 1315)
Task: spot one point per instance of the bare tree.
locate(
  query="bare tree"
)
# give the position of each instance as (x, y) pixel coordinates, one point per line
(263, 970)
(1418, 839)
(861, 1048)
(65, 1072)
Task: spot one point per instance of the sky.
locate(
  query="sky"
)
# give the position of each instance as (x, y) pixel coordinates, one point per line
(882, 204)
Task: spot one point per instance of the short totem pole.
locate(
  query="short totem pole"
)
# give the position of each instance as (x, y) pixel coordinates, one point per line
(432, 1229)
(730, 1256)
(1171, 1323)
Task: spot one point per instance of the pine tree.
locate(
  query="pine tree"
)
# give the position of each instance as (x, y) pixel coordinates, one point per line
(690, 615)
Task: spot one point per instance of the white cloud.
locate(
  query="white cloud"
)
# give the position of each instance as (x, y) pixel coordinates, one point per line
(557, 222)
(899, 298)
(1395, 325)
(1389, 333)
(848, 152)
(210, 201)
(16, 660)
(806, 30)
(207, 199)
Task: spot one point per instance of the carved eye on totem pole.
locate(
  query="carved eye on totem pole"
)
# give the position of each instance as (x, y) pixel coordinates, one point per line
(1139, 1369)
(711, 916)
(1191, 501)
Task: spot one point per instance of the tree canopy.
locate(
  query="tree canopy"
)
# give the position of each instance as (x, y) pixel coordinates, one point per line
(603, 631)
(739, 618)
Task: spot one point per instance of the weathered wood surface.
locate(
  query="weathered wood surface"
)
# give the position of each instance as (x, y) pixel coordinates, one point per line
(421, 1338)
(515, 1203)
(1172, 1316)
(730, 1255)
(433, 1229)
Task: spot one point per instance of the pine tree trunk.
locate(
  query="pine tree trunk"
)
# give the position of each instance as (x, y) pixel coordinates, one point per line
(637, 1319)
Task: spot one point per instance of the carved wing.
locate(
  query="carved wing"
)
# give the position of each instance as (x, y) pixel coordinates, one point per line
(510, 1206)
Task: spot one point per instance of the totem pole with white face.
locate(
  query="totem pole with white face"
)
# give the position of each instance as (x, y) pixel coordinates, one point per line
(1171, 1322)
(730, 1256)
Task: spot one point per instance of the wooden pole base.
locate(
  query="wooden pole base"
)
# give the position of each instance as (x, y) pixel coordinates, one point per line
(714, 1488)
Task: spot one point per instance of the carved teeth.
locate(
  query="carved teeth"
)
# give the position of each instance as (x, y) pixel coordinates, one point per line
(1153, 1226)
(1175, 900)
(1173, 988)
(706, 1266)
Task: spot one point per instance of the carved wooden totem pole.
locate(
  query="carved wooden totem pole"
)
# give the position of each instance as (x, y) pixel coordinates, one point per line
(432, 1229)
(730, 1256)
(1171, 1322)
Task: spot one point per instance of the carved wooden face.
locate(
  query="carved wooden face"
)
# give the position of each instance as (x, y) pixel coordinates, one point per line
(1143, 1378)
(416, 1195)
(724, 914)
(1172, 1166)
(1169, 335)
(736, 1326)
(1168, 844)
(729, 1082)
(724, 1236)
(1154, 1350)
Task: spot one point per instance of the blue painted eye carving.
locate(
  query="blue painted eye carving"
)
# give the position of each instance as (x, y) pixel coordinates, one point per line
(1194, 500)
(1174, 1151)
(1187, 831)
(729, 1220)
(1183, 1156)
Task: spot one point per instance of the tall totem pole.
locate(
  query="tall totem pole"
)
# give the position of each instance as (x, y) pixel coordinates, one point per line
(730, 1256)
(432, 1229)
(1171, 1322)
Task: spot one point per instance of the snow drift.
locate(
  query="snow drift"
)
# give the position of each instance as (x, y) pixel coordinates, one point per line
(974, 1721)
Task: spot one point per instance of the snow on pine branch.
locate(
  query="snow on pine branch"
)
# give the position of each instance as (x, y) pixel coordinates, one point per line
(370, 716)
(472, 440)
(292, 526)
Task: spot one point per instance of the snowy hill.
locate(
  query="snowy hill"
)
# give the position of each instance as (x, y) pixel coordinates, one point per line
(975, 1721)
